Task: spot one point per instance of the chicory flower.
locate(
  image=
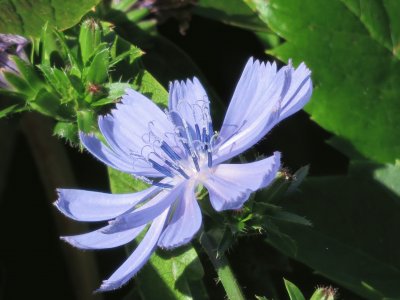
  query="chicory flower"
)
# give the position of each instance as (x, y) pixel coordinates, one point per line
(177, 150)
(10, 45)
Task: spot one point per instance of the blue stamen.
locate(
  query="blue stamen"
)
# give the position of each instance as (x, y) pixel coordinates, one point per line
(162, 185)
(209, 155)
(210, 130)
(196, 163)
(169, 151)
(204, 136)
(186, 146)
(160, 168)
(177, 168)
(196, 126)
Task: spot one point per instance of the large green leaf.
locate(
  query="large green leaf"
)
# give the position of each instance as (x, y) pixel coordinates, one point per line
(353, 240)
(232, 12)
(353, 50)
(27, 17)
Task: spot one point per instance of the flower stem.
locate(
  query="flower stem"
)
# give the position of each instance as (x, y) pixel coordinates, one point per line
(223, 269)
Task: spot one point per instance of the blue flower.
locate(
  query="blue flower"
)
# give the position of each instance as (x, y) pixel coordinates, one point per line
(10, 45)
(177, 150)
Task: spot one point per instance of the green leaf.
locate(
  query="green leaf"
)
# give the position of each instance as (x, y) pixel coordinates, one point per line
(124, 183)
(49, 105)
(19, 84)
(68, 88)
(171, 273)
(28, 72)
(298, 178)
(231, 12)
(132, 53)
(89, 38)
(293, 291)
(87, 120)
(28, 17)
(68, 131)
(9, 110)
(146, 84)
(115, 91)
(97, 72)
(352, 49)
(353, 240)
(72, 56)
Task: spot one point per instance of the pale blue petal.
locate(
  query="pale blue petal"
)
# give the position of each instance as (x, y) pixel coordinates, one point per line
(254, 176)
(256, 78)
(99, 240)
(138, 120)
(105, 154)
(147, 211)
(225, 194)
(185, 222)
(190, 100)
(95, 206)
(262, 98)
(230, 185)
(299, 92)
(246, 137)
(131, 131)
(125, 145)
(138, 258)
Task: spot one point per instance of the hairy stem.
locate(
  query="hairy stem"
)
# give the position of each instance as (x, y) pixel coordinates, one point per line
(223, 269)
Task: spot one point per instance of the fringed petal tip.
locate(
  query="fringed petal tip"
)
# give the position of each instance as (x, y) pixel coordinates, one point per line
(193, 80)
(70, 241)
(182, 242)
(107, 286)
(62, 205)
(275, 167)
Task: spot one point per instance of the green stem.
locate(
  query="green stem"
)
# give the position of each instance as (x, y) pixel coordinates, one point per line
(223, 269)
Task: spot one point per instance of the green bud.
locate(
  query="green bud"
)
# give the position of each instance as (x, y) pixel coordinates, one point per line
(324, 293)
(89, 38)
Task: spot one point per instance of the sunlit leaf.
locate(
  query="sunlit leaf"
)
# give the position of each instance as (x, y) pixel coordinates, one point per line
(352, 48)
(29, 16)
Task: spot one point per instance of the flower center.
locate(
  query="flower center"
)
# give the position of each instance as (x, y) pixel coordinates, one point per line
(185, 153)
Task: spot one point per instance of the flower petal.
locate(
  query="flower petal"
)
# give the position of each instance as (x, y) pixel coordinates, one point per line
(95, 206)
(262, 98)
(230, 185)
(105, 154)
(147, 211)
(99, 240)
(299, 92)
(225, 194)
(190, 101)
(256, 76)
(185, 222)
(131, 131)
(254, 176)
(137, 121)
(138, 258)
(124, 144)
